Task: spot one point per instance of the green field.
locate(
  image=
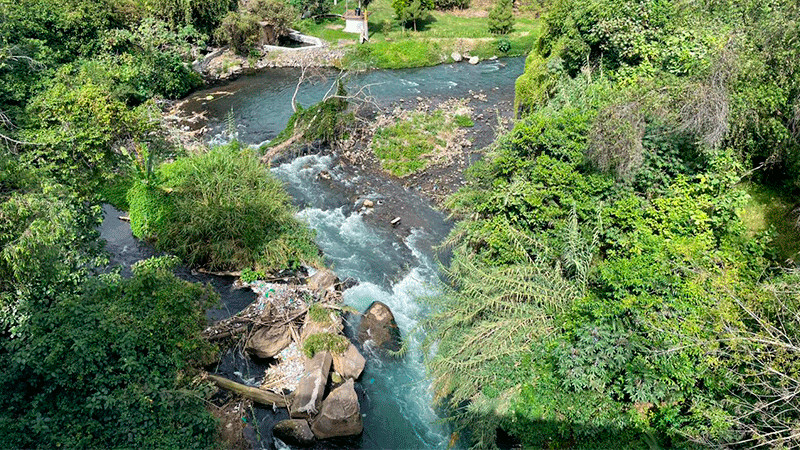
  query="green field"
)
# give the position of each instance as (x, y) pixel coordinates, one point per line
(442, 33)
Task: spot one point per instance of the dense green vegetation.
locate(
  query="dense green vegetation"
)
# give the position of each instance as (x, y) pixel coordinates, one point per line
(88, 355)
(606, 290)
(220, 210)
(92, 359)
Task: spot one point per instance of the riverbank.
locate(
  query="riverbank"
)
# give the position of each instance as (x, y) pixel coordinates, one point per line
(438, 38)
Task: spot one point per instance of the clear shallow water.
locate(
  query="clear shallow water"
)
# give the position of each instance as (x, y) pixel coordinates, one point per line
(261, 103)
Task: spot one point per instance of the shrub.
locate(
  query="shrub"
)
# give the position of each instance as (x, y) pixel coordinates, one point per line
(313, 8)
(501, 17)
(325, 122)
(325, 342)
(277, 14)
(249, 275)
(503, 45)
(79, 126)
(451, 4)
(221, 210)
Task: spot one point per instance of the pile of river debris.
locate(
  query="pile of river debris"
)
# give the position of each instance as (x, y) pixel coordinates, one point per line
(298, 327)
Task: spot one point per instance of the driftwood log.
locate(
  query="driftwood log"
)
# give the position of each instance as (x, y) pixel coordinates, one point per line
(257, 395)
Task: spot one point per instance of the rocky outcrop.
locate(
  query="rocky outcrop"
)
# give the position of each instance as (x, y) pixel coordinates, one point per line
(379, 327)
(340, 414)
(311, 389)
(350, 364)
(294, 432)
(266, 342)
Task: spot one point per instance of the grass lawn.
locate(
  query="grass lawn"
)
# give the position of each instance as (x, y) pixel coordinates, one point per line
(768, 211)
(443, 32)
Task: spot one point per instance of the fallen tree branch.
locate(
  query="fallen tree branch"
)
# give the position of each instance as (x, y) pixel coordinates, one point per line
(219, 274)
(257, 395)
(275, 151)
(227, 334)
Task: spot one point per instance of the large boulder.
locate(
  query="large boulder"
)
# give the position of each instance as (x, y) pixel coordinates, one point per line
(294, 431)
(340, 414)
(323, 282)
(267, 342)
(456, 57)
(350, 364)
(311, 388)
(474, 60)
(378, 325)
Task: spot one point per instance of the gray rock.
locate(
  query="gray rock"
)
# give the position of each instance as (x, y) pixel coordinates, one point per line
(294, 431)
(311, 389)
(456, 57)
(350, 364)
(474, 60)
(378, 325)
(267, 342)
(340, 414)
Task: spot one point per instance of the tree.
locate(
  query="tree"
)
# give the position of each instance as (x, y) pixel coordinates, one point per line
(313, 8)
(410, 11)
(501, 17)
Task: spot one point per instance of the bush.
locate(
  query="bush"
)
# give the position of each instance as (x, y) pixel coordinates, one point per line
(80, 125)
(239, 30)
(451, 4)
(503, 45)
(221, 210)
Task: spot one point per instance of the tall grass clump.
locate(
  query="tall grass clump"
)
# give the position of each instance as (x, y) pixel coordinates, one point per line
(221, 210)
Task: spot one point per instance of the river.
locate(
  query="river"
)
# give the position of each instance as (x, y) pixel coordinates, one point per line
(395, 265)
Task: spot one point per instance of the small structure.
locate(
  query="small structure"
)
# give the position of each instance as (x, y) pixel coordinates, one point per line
(355, 21)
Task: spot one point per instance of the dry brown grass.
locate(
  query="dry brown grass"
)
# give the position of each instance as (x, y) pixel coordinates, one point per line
(615, 141)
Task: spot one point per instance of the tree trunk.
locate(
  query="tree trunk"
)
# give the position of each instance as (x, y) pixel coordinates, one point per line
(257, 395)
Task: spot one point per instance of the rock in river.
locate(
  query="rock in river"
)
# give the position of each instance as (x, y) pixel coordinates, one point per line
(350, 364)
(267, 342)
(340, 414)
(378, 325)
(294, 431)
(311, 389)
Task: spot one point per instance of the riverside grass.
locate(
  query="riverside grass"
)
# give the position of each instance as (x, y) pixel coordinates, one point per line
(221, 210)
